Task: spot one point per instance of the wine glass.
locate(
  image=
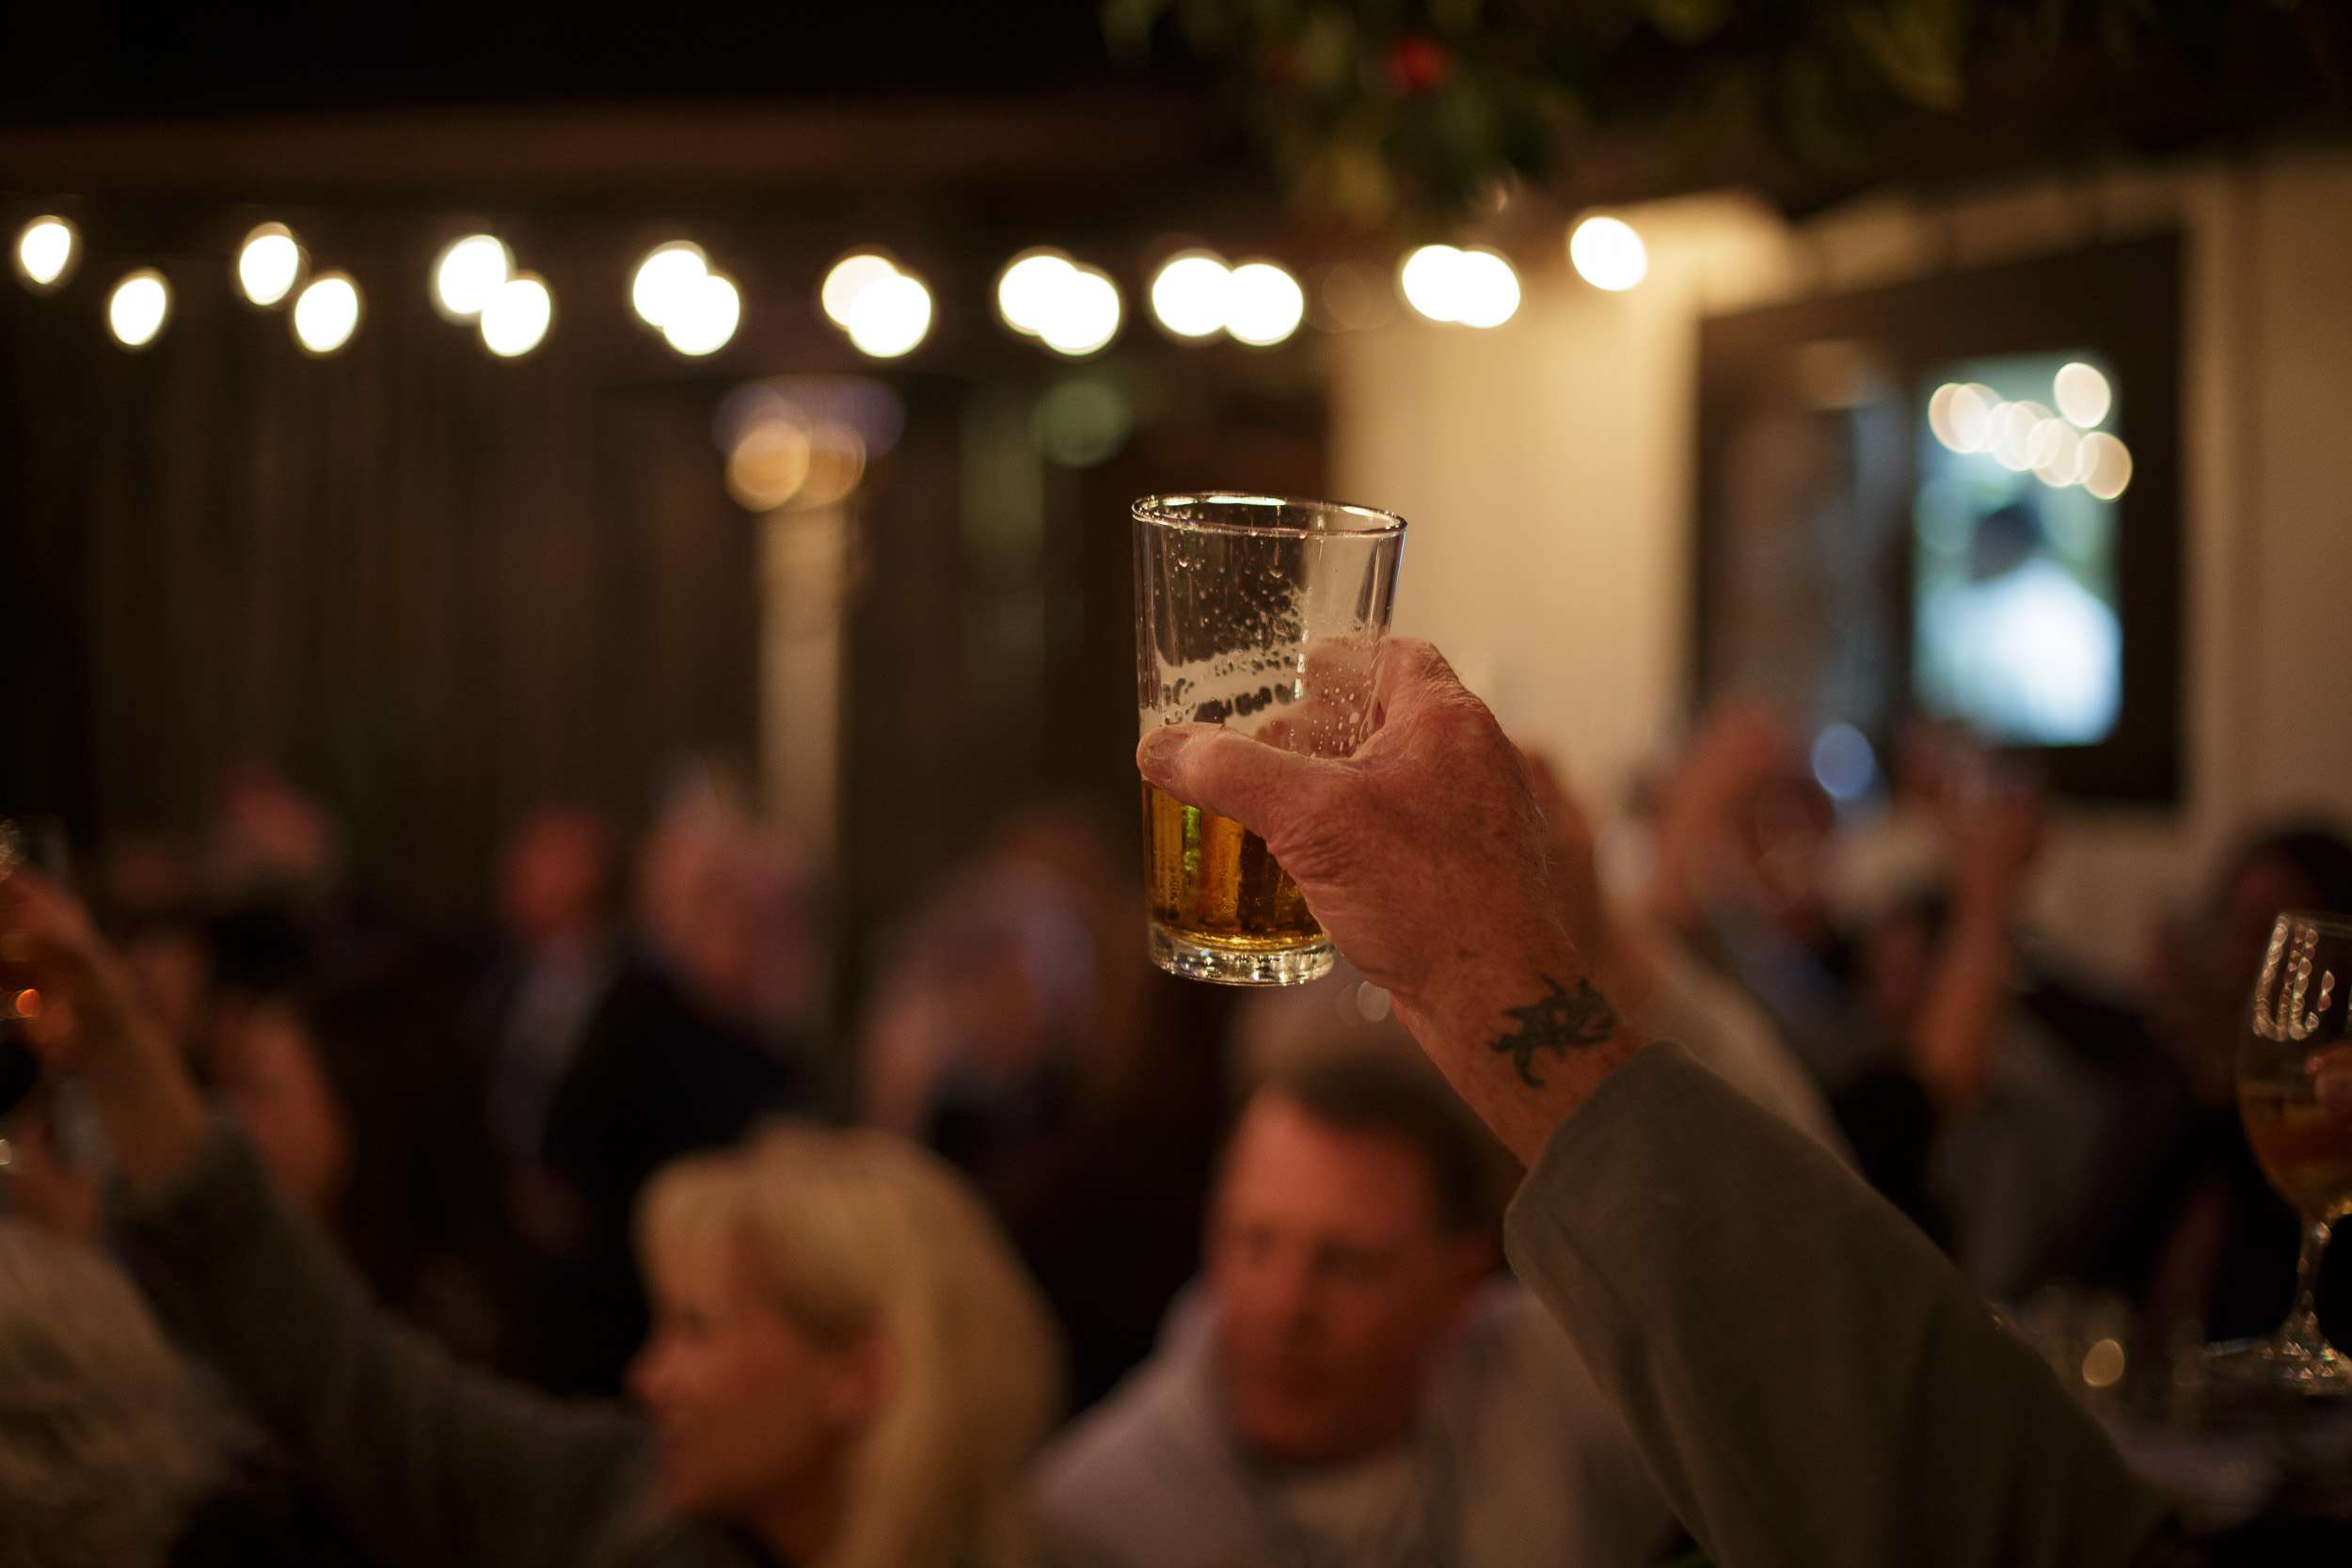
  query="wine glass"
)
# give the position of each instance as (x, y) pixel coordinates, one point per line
(2295, 1092)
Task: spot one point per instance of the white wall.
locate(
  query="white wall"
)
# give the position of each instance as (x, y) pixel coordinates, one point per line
(1547, 469)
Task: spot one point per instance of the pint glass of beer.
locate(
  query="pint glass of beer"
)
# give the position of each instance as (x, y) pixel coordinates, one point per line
(1263, 614)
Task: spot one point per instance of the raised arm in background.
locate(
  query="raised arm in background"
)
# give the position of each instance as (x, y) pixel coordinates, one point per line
(434, 1462)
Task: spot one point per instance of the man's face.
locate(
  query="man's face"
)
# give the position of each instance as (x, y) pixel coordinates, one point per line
(1333, 1279)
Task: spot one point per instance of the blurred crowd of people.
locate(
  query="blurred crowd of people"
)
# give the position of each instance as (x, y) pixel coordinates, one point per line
(1262, 1231)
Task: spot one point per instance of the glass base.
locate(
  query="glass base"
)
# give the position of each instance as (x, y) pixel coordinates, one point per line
(2276, 1362)
(1240, 966)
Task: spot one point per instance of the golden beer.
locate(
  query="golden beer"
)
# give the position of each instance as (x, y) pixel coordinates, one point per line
(1212, 881)
(1265, 615)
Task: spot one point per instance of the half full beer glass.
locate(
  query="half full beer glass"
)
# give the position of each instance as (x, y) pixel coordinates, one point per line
(1263, 614)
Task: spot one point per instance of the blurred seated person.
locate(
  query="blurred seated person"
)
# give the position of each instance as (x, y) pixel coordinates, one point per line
(698, 1036)
(2198, 1237)
(1354, 1382)
(1011, 1026)
(848, 1367)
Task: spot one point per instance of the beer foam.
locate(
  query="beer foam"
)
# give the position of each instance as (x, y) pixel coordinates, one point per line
(1312, 697)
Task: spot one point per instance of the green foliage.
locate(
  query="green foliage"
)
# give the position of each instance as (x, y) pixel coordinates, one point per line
(1404, 113)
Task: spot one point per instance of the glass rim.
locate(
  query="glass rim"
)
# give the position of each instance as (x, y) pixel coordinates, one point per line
(2328, 921)
(1168, 511)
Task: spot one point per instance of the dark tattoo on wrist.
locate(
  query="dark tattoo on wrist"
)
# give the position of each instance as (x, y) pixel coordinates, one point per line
(1558, 1022)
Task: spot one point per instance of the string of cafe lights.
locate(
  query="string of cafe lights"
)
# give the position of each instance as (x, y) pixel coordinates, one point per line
(1072, 308)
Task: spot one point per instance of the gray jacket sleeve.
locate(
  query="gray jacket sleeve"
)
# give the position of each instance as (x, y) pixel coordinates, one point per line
(1811, 1383)
(434, 1462)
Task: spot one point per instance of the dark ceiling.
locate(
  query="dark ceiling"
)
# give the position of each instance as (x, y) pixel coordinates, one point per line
(118, 61)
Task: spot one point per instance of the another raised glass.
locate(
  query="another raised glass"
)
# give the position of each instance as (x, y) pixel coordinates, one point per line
(1263, 614)
(2295, 1092)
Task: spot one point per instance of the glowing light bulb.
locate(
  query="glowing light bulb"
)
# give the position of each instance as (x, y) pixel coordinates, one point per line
(848, 278)
(269, 263)
(1475, 288)
(1084, 314)
(1608, 254)
(1028, 288)
(701, 320)
(469, 273)
(890, 316)
(2083, 394)
(326, 313)
(1188, 295)
(138, 308)
(516, 317)
(1265, 304)
(668, 281)
(1427, 279)
(46, 249)
(1490, 289)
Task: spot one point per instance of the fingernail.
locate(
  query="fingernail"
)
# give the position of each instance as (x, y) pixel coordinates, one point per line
(1156, 755)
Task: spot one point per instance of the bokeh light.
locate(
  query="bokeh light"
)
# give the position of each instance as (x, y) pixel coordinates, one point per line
(1843, 763)
(890, 316)
(269, 263)
(326, 313)
(2083, 394)
(1354, 297)
(2056, 449)
(701, 318)
(849, 278)
(1265, 304)
(2103, 465)
(1083, 422)
(668, 281)
(769, 461)
(470, 272)
(1188, 295)
(46, 250)
(1959, 413)
(1608, 254)
(138, 308)
(1074, 308)
(2009, 433)
(516, 318)
(1475, 288)
(1028, 286)
(836, 461)
(1085, 315)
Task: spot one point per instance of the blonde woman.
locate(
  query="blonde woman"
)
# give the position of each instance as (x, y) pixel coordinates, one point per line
(847, 1367)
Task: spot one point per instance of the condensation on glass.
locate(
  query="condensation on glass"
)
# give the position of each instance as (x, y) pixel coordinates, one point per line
(1262, 614)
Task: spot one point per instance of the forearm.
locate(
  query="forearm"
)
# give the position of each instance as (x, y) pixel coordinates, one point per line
(432, 1461)
(1953, 1043)
(1524, 1036)
(155, 1122)
(1808, 1379)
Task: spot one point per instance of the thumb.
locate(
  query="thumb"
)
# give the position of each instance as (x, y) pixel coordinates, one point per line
(1224, 771)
